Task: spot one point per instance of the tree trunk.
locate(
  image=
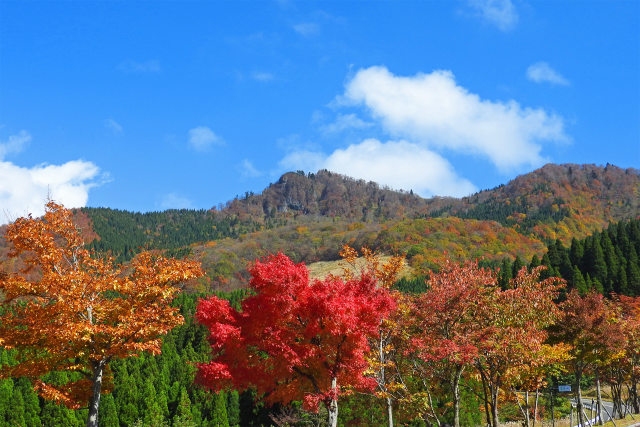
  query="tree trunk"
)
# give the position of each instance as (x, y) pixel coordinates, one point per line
(455, 390)
(486, 397)
(581, 419)
(552, 400)
(599, 399)
(494, 405)
(383, 381)
(527, 421)
(535, 408)
(333, 404)
(390, 411)
(94, 403)
(579, 409)
(633, 392)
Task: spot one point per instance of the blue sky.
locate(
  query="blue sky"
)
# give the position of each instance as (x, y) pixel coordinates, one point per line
(154, 105)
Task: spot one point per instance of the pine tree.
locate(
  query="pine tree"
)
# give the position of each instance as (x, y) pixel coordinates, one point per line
(594, 258)
(16, 415)
(517, 265)
(633, 272)
(219, 416)
(6, 394)
(504, 276)
(578, 281)
(108, 415)
(535, 262)
(58, 415)
(183, 416)
(576, 253)
(233, 408)
(31, 408)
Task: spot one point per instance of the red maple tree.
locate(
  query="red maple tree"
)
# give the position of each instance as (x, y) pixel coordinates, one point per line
(295, 339)
(445, 333)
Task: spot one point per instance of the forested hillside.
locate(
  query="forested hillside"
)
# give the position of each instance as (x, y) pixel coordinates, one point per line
(310, 216)
(606, 261)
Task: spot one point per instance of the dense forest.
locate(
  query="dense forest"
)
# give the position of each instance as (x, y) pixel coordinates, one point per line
(554, 217)
(159, 390)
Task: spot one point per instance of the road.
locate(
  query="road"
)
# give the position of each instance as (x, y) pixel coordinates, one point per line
(587, 404)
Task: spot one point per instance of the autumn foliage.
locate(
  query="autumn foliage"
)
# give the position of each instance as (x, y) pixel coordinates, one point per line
(295, 339)
(69, 310)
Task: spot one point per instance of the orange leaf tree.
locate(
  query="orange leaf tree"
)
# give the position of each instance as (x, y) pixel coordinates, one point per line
(515, 322)
(69, 311)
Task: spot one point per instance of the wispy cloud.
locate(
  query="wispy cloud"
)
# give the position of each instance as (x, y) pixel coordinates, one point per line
(248, 170)
(113, 126)
(262, 76)
(541, 72)
(306, 29)
(139, 67)
(501, 13)
(434, 111)
(201, 138)
(14, 144)
(345, 122)
(175, 201)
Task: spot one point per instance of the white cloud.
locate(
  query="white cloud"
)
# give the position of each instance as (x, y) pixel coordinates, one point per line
(501, 13)
(307, 160)
(541, 72)
(14, 144)
(201, 138)
(344, 122)
(398, 164)
(434, 111)
(262, 77)
(112, 125)
(307, 28)
(175, 201)
(25, 190)
(247, 170)
(139, 67)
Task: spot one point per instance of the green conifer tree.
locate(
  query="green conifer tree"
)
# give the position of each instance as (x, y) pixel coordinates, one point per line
(219, 416)
(233, 408)
(578, 281)
(183, 414)
(108, 415)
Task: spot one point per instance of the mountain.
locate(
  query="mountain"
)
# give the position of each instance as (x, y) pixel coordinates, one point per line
(310, 217)
(558, 201)
(555, 201)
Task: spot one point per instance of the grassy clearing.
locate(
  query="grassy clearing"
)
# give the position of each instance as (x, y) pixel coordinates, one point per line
(320, 270)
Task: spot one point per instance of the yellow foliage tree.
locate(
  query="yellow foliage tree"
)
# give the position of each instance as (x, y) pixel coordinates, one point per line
(81, 311)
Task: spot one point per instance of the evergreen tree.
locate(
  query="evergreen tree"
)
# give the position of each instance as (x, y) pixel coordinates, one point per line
(233, 408)
(108, 415)
(576, 253)
(633, 272)
(183, 414)
(31, 408)
(578, 282)
(58, 415)
(219, 416)
(504, 275)
(16, 415)
(6, 395)
(594, 259)
(535, 262)
(517, 265)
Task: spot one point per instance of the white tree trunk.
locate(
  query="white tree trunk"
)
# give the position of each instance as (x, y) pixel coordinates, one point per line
(333, 405)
